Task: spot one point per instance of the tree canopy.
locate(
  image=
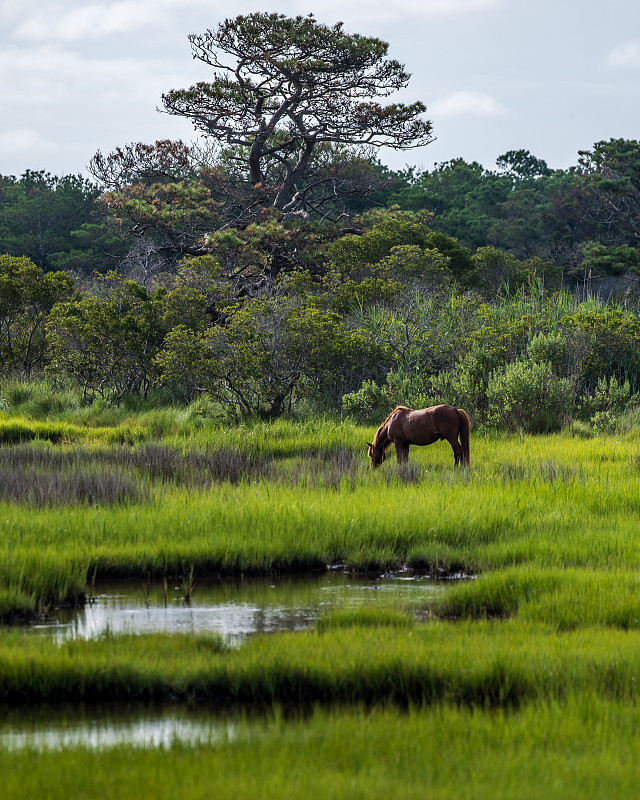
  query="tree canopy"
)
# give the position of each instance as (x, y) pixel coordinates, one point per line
(286, 89)
(283, 86)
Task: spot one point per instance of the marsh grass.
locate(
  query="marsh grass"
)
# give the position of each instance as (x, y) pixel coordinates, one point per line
(521, 682)
(565, 599)
(374, 657)
(270, 504)
(21, 429)
(137, 466)
(582, 748)
(34, 583)
(34, 489)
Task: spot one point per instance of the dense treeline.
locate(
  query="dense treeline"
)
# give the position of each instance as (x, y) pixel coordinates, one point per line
(584, 219)
(398, 311)
(52, 221)
(280, 264)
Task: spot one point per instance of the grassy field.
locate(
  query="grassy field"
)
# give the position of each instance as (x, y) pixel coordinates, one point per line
(195, 502)
(520, 681)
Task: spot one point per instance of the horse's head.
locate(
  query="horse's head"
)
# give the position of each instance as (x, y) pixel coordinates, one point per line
(376, 454)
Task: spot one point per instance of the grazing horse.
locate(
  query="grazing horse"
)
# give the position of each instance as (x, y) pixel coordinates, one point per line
(404, 427)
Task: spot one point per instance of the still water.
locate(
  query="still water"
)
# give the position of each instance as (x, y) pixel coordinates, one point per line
(233, 609)
(98, 728)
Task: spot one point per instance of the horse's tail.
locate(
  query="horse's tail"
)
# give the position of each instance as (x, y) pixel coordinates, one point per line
(463, 433)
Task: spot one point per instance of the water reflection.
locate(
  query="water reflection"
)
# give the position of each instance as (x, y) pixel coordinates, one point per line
(100, 729)
(233, 609)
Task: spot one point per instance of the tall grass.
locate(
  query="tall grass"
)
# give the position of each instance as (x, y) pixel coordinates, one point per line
(553, 501)
(22, 429)
(566, 599)
(585, 749)
(370, 660)
(546, 636)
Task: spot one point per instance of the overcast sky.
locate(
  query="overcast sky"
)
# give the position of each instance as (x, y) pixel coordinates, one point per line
(550, 76)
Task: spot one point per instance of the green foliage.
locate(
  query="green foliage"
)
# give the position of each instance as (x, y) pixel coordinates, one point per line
(387, 230)
(608, 401)
(48, 219)
(282, 313)
(349, 296)
(176, 212)
(263, 252)
(531, 212)
(107, 343)
(606, 341)
(94, 248)
(184, 363)
(182, 306)
(550, 348)
(496, 270)
(268, 356)
(600, 259)
(521, 164)
(610, 190)
(411, 389)
(27, 295)
(465, 386)
(527, 396)
(462, 197)
(369, 403)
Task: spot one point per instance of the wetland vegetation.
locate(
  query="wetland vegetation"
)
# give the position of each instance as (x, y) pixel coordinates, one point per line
(541, 646)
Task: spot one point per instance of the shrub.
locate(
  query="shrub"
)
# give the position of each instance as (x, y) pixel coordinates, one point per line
(527, 396)
(604, 422)
(550, 348)
(368, 402)
(608, 400)
(411, 389)
(465, 385)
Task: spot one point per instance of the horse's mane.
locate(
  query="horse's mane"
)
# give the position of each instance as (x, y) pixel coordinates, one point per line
(391, 413)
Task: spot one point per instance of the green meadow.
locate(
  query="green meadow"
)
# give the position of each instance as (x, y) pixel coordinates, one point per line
(288, 498)
(521, 678)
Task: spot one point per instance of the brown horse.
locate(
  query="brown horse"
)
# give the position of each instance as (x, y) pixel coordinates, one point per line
(404, 427)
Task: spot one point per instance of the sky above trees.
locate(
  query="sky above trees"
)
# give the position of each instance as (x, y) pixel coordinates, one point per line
(548, 76)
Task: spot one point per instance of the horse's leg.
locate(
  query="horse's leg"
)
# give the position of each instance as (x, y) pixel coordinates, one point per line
(457, 451)
(402, 451)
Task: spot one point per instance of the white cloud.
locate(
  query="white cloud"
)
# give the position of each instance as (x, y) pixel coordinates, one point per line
(361, 14)
(625, 56)
(467, 103)
(91, 21)
(64, 105)
(75, 20)
(20, 140)
(47, 75)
